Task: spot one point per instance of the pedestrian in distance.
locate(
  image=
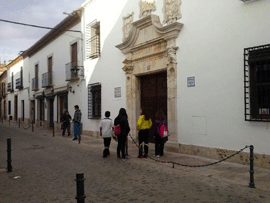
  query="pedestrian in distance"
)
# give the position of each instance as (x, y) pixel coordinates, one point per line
(122, 120)
(77, 121)
(159, 141)
(143, 125)
(106, 127)
(66, 118)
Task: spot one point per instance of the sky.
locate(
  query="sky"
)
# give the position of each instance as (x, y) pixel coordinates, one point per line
(16, 38)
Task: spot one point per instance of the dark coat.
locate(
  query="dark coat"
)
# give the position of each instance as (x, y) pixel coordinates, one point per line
(157, 124)
(124, 126)
(66, 118)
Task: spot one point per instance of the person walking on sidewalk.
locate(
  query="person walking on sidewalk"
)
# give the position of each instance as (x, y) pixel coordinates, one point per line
(159, 141)
(77, 121)
(106, 127)
(143, 125)
(122, 120)
(66, 118)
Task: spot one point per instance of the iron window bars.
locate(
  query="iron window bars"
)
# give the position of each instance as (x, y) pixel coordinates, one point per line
(94, 101)
(257, 83)
(93, 40)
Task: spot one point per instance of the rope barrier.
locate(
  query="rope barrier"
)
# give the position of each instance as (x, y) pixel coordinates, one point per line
(186, 165)
(26, 128)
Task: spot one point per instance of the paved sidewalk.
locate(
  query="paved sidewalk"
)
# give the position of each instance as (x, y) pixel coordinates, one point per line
(47, 166)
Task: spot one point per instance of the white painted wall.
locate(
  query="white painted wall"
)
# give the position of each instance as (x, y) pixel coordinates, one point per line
(211, 46)
(60, 50)
(107, 69)
(22, 94)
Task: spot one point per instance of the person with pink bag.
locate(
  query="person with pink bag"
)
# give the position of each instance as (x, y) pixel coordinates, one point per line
(160, 132)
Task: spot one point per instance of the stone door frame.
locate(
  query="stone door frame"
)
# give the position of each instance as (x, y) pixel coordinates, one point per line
(151, 48)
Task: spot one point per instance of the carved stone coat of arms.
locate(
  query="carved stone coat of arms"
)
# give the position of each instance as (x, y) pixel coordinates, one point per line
(171, 11)
(146, 7)
(127, 25)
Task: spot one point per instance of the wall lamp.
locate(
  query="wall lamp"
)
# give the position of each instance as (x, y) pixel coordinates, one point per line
(70, 90)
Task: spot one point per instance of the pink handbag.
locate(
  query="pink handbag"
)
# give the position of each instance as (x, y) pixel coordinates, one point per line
(117, 129)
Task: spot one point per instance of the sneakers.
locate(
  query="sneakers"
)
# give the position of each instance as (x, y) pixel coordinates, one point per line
(157, 156)
(75, 138)
(145, 156)
(140, 157)
(125, 158)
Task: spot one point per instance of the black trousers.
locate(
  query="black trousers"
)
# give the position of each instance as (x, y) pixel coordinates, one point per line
(143, 137)
(107, 142)
(159, 145)
(121, 145)
(66, 126)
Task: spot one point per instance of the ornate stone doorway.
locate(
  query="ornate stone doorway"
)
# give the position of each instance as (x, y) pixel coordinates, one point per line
(150, 48)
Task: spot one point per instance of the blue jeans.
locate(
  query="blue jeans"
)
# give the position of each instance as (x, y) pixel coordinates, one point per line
(76, 129)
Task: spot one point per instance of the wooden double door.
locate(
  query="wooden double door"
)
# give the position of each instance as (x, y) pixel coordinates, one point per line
(154, 95)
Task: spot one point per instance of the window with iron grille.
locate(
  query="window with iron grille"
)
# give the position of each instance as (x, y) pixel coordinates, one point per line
(257, 83)
(93, 40)
(94, 101)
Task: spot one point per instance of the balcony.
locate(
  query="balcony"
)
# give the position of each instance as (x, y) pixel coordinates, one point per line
(34, 84)
(19, 84)
(47, 80)
(10, 87)
(72, 71)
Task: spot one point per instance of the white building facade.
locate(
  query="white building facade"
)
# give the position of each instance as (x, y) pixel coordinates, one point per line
(186, 58)
(56, 72)
(18, 91)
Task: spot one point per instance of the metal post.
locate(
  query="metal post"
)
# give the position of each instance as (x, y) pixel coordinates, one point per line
(80, 188)
(9, 121)
(53, 128)
(19, 123)
(32, 126)
(251, 183)
(9, 167)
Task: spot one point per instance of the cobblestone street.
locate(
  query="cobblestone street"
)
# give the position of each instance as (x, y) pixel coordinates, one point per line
(46, 168)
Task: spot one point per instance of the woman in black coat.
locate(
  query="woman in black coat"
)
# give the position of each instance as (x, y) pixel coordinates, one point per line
(122, 120)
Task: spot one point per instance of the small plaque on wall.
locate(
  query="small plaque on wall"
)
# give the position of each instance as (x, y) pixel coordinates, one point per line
(191, 81)
(117, 92)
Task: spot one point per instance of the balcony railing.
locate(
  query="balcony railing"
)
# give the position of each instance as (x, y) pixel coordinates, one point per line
(19, 83)
(72, 71)
(47, 79)
(34, 84)
(10, 87)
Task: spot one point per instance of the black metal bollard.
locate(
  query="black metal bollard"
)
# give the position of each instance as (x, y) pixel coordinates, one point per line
(19, 123)
(53, 128)
(80, 188)
(32, 126)
(251, 158)
(9, 167)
